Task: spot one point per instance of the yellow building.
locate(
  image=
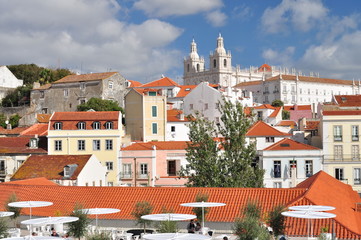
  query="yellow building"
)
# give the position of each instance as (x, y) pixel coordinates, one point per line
(98, 133)
(341, 145)
(146, 114)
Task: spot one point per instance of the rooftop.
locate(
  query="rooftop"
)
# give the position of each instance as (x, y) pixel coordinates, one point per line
(263, 129)
(160, 145)
(85, 77)
(163, 82)
(287, 144)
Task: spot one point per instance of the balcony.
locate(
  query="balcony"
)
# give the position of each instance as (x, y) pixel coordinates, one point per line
(3, 172)
(130, 175)
(342, 158)
(276, 91)
(266, 92)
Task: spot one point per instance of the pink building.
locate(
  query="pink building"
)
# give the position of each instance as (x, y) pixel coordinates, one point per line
(154, 163)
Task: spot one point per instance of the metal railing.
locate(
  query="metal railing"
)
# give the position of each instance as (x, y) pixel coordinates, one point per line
(130, 175)
(342, 158)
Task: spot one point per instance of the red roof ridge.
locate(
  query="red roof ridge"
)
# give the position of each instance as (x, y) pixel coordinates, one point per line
(260, 128)
(163, 82)
(32, 181)
(85, 77)
(278, 146)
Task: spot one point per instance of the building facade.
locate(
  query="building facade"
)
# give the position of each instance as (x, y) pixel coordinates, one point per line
(8, 81)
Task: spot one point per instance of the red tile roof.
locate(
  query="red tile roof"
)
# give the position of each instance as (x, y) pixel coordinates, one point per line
(249, 83)
(134, 83)
(311, 79)
(43, 118)
(312, 125)
(40, 129)
(20, 145)
(163, 82)
(145, 91)
(33, 181)
(348, 100)
(275, 112)
(342, 112)
(287, 144)
(297, 107)
(265, 106)
(50, 166)
(265, 68)
(43, 87)
(160, 145)
(173, 115)
(85, 77)
(185, 89)
(320, 189)
(287, 123)
(14, 131)
(263, 129)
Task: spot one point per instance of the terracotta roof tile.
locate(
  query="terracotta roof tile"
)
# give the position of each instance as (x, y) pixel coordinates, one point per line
(249, 83)
(263, 129)
(265, 106)
(312, 125)
(134, 83)
(14, 131)
(33, 182)
(40, 129)
(342, 112)
(160, 145)
(287, 144)
(43, 118)
(144, 91)
(20, 145)
(275, 112)
(84, 116)
(297, 107)
(174, 115)
(287, 123)
(184, 90)
(50, 166)
(311, 79)
(85, 77)
(163, 82)
(265, 68)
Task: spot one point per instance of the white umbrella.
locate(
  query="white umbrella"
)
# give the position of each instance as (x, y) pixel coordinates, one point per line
(203, 205)
(98, 211)
(175, 236)
(49, 220)
(168, 217)
(30, 204)
(312, 208)
(6, 214)
(32, 238)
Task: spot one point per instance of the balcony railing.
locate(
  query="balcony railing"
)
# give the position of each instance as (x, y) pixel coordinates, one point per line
(130, 175)
(3, 172)
(342, 158)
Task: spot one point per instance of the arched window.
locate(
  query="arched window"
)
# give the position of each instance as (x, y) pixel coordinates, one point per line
(214, 63)
(81, 125)
(198, 67)
(225, 62)
(96, 125)
(109, 125)
(188, 67)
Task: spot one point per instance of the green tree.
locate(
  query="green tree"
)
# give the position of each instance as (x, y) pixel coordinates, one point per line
(277, 103)
(17, 211)
(141, 209)
(14, 120)
(78, 228)
(228, 162)
(2, 120)
(167, 226)
(249, 226)
(276, 220)
(3, 228)
(17, 97)
(285, 114)
(98, 104)
(201, 197)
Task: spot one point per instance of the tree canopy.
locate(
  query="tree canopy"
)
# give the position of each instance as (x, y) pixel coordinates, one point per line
(218, 154)
(98, 104)
(277, 103)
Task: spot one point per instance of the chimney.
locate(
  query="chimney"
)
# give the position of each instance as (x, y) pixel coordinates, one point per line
(181, 116)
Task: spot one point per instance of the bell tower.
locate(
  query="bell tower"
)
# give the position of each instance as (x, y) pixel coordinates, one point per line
(220, 64)
(193, 64)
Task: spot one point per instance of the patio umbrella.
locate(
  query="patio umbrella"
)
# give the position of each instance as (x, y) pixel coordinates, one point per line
(175, 236)
(32, 238)
(49, 220)
(203, 205)
(168, 217)
(312, 208)
(99, 211)
(30, 204)
(6, 214)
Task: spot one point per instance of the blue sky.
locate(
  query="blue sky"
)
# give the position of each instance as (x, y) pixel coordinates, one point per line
(143, 39)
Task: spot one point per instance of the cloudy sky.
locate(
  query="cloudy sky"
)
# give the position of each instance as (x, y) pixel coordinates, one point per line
(143, 39)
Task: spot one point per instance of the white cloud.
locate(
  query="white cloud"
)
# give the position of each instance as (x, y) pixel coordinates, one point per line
(216, 18)
(283, 58)
(85, 34)
(302, 14)
(165, 8)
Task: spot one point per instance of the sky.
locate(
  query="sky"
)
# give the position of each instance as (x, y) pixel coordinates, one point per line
(145, 39)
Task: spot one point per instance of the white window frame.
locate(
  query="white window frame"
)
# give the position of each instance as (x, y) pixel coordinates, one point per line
(308, 168)
(337, 133)
(108, 144)
(339, 173)
(96, 145)
(355, 133)
(81, 145)
(356, 176)
(109, 165)
(81, 125)
(58, 145)
(109, 125)
(96, 125)
(58, 126)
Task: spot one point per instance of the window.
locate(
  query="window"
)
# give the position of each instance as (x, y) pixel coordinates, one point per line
(357, 176)
(270, 139)
(309, 91)
(81, 125)
(293, 167)
(191, 106)
(277, 169)
(354, 133)
(58, 145)
(205, 106)
(337, 133)
(96, 125)
(143, 170)
(284, 88)
(172, 128)
(198, 67)
(338, 152)
(172, 168)
(154, 128)
(82, 85)
(108, 144)
(42, 94)
(355, 152)
(309, 168)
(44, 110)
(277, 184)
(127, 170)
(66, 171)
(109, 125)
(225, 62)
(58, 126)
(66, 92)
(81, 145)
(188, 67)
(110, 84)
(259, 115)
(154, 111)
(217, 105)
(96, 145)
(339, 173)
(152, 93)
(109, 165)
(214, 63)
(82, 101)
(2, 165)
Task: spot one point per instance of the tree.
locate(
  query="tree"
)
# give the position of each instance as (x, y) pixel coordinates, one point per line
(3, 228)
(98, 104)
(167, 226)
(13, 120)
(78, 228)
(140, 209)
(276, 220)
(249, 226)
(277, 103)
(15, 210)
(228, 162)
(201, 197)
(285, 114)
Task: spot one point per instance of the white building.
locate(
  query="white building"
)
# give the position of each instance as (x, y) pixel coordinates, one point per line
(8, 81)
(287, 163)
(177, 126)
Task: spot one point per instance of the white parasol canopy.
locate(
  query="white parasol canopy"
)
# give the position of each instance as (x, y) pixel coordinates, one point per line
(49, 220)
(6, 214)
(175, 236)
(308, 214)
(30, 204)
(99, 211)
(312, 208)
(32, 238)
(203, 205)
(168, 217)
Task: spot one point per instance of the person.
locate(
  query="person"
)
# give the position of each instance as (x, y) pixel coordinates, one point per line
(191, 226)
(66, 236)
(225, 238)
(34, 234)
(54, 233)
(198, 227)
